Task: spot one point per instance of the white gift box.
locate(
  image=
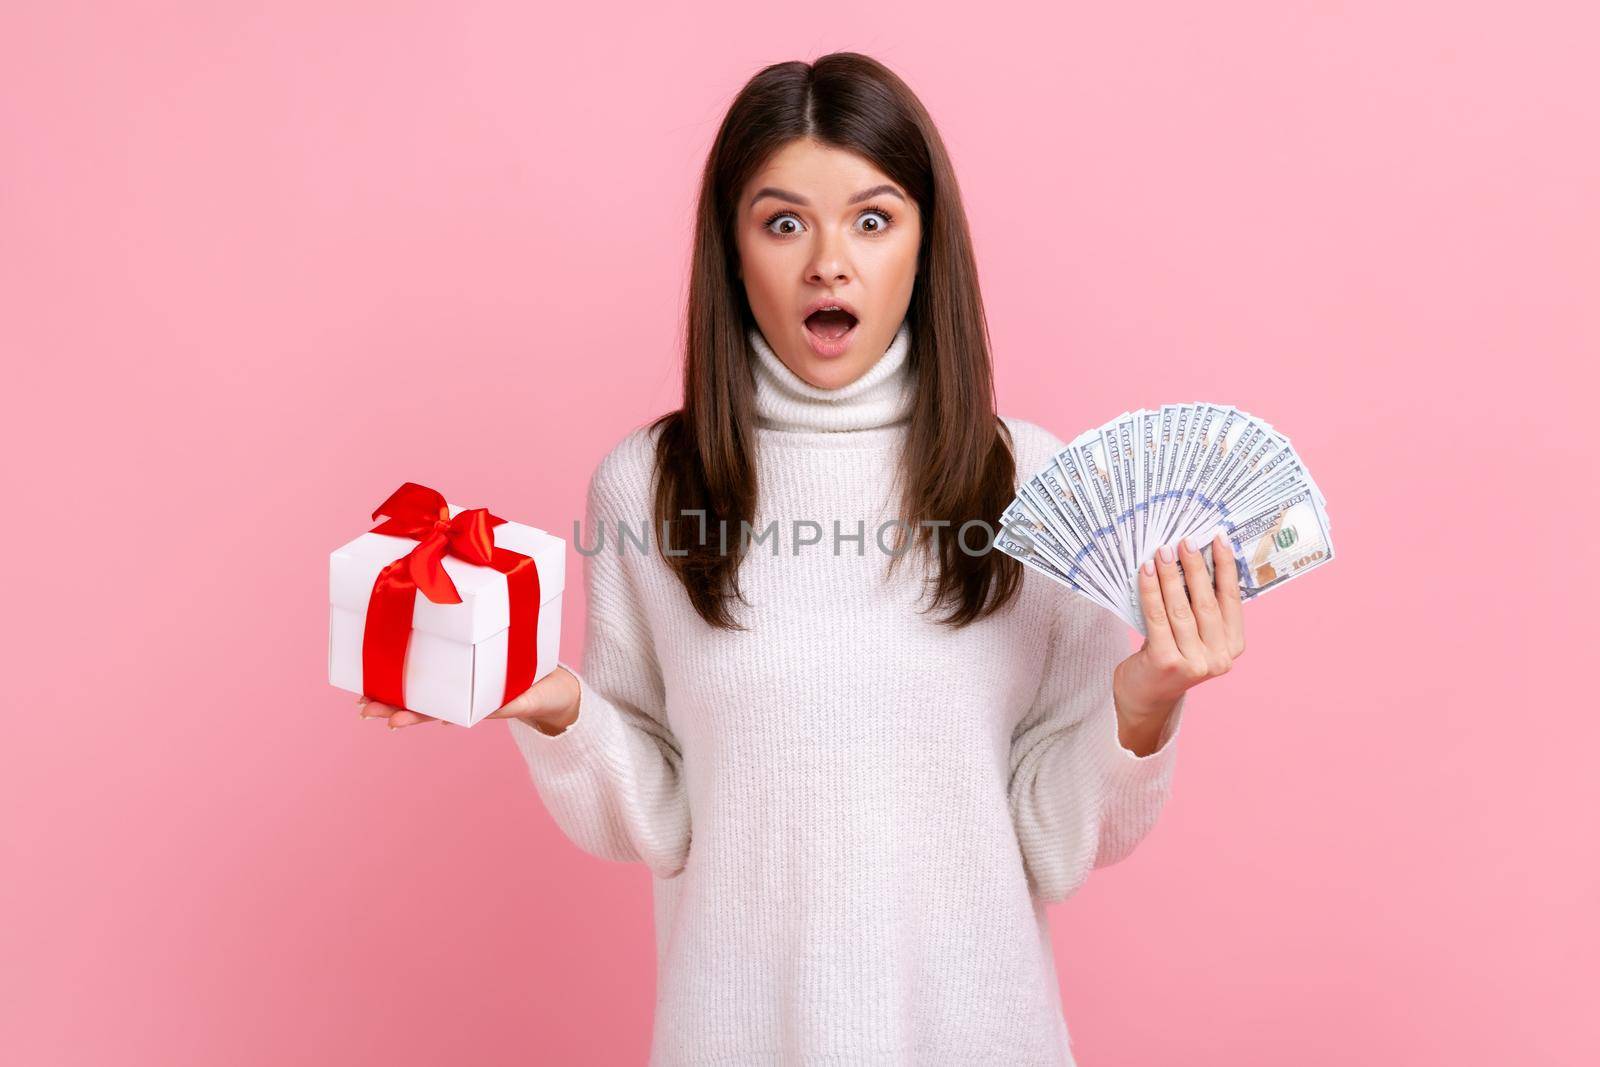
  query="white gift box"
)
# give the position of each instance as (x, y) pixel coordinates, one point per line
(455, 665)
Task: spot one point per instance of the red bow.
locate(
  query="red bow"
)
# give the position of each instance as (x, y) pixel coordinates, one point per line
(416, 511)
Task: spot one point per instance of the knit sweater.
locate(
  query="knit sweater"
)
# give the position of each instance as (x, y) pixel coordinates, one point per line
(854, 814)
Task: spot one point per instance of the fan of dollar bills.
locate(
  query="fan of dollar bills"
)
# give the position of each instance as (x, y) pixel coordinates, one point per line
(1115, 494)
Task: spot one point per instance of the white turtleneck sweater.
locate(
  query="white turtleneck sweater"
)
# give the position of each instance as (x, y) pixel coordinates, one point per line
(854, 814)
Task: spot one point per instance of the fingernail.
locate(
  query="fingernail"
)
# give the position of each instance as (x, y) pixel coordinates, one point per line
(1166, 554)
(1193, 542)
(1149, 566)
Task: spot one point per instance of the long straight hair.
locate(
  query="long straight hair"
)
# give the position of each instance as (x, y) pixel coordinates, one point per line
(957, 464)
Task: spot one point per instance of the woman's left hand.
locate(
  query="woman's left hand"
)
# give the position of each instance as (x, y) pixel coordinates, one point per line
(1189, 635)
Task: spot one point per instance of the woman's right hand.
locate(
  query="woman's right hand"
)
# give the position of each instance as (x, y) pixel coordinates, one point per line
(550, 705)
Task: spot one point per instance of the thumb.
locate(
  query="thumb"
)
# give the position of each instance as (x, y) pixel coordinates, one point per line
(544, 698)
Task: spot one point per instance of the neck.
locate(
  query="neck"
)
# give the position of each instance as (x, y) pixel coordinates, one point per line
(880, 398)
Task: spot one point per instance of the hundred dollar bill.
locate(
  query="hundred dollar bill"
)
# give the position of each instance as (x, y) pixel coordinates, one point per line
(1283, 542)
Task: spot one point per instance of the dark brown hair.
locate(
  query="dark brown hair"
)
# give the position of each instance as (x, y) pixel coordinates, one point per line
(957, 464)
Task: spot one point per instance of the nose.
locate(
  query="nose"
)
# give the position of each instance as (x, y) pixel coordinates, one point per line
(829, 265)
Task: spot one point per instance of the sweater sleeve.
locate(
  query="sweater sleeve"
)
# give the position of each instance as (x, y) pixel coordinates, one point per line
(613, 779)
(1079, 800)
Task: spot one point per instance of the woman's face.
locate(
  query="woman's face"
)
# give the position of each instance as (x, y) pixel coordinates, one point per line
(818, 226)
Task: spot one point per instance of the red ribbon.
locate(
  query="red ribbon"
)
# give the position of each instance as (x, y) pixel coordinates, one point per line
(416, 511)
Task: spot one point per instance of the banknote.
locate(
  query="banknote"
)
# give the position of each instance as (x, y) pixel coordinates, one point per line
(1105, 504)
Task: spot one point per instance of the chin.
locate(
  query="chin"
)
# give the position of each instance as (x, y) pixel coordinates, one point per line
(831, 373)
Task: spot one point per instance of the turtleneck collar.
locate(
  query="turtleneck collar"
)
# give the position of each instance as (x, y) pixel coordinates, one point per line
(880, 398)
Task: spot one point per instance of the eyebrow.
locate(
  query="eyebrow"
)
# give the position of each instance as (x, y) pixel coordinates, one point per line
(796, 198)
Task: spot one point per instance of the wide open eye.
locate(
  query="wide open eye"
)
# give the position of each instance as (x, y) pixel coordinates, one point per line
(881, 226)
(781, 215)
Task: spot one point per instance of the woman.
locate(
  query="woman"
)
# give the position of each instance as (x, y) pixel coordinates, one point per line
(855, 811)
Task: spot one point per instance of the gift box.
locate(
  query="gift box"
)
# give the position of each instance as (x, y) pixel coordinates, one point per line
(444, 610)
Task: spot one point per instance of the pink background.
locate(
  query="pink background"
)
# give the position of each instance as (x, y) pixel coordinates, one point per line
(261, 263)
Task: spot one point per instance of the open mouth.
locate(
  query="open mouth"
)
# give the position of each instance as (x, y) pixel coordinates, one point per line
(829, 324)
